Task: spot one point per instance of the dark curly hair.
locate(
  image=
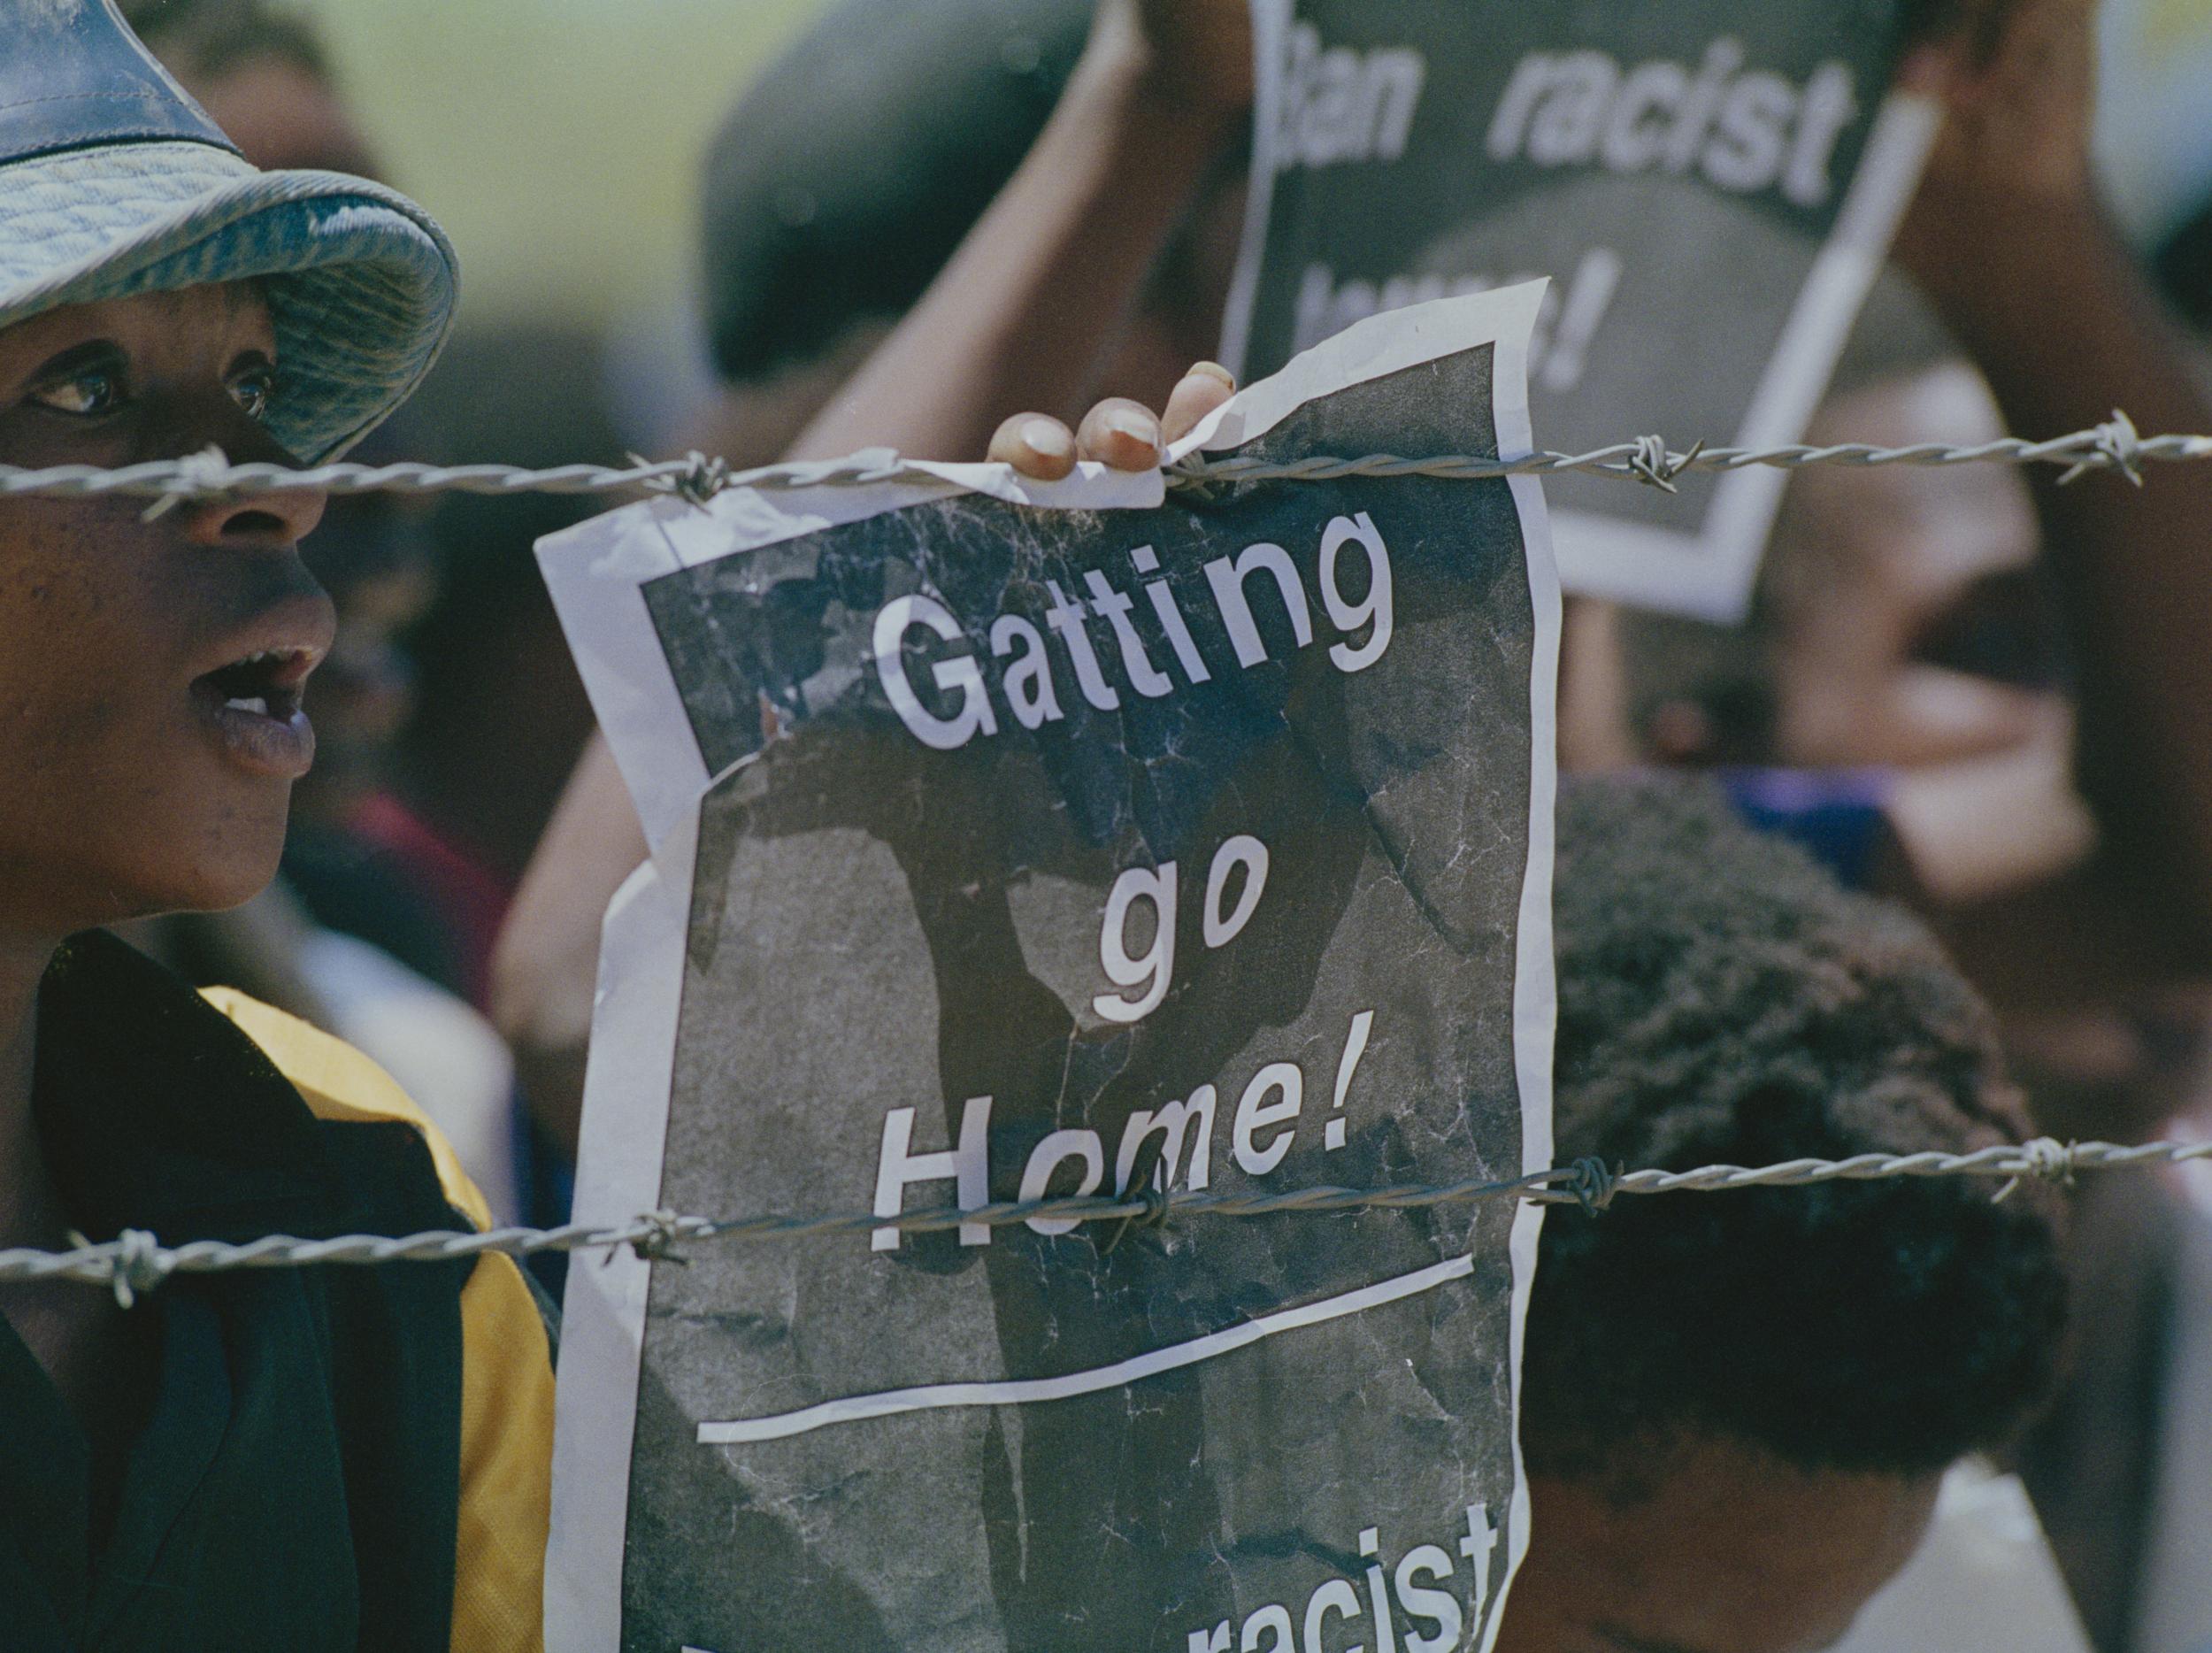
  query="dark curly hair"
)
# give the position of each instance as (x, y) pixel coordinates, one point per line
(1721, 999)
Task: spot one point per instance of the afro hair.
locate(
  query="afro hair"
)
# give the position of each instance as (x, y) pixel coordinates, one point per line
(1722, 1000)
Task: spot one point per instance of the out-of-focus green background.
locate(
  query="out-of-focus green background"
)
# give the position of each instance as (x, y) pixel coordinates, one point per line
(558, 141)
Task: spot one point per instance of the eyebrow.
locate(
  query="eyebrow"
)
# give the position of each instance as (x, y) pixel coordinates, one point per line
(83, 354)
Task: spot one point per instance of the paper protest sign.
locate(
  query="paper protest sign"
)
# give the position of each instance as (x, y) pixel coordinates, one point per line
(1711, 184)
(1010, 839)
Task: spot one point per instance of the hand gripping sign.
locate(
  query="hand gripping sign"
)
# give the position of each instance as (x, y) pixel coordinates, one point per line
(1015, 839)
(1712, 182)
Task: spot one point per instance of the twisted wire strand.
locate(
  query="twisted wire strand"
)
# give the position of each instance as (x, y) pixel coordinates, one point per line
(2113, 446)
(136, 1262)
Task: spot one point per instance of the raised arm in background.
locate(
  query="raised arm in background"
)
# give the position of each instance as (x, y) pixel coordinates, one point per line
(1019, 319)
(1021, 314)
(2008, 238)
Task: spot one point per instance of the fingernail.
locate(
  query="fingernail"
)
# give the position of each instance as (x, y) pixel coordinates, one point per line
(1214, 370)
(1048, 439)
(1135, 424)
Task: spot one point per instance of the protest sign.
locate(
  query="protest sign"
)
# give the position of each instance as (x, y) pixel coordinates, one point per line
(1711, 184)
(1010, 838)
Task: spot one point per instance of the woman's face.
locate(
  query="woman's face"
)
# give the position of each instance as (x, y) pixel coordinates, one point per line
(151, 671)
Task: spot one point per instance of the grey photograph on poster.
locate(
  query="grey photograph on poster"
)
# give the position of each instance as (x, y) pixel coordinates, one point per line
(1710, 184)
(1048, 849)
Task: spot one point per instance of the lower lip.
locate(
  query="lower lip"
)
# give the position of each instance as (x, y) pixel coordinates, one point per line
(282, 748)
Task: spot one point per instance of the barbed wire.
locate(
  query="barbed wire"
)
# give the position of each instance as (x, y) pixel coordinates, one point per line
(136, 1261)
(2113, 446)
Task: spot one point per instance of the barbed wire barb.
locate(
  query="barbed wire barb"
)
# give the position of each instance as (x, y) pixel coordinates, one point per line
(702, 478)
(1653, 464)
(196, 475)
(2118, 448)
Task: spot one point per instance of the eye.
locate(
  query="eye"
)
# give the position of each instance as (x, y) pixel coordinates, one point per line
(87, 393)
(253, 390)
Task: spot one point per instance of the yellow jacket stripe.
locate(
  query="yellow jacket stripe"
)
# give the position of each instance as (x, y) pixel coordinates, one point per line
(507, 1375)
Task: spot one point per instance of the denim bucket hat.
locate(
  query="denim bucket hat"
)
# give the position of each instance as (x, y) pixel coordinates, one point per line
(115, 182)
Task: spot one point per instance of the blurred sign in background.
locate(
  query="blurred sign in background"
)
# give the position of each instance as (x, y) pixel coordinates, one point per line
(2154, 142)
(559, 139)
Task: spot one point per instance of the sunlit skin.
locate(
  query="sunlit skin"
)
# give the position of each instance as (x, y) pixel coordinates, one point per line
(137, 782)
(1720, 1549)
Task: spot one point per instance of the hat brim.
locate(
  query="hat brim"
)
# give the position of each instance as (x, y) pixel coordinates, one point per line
(361, 282)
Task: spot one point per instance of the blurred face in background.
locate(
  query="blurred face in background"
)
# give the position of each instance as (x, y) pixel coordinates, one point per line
(1905, 654)
(373, 554)
(1909, 619)
(1911, 658)
(1913, 634)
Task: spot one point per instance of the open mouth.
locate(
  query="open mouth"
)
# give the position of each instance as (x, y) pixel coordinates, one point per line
(252, 709)
(266, 684)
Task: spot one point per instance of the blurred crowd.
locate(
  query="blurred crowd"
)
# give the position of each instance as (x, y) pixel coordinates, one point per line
(1963, 688)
